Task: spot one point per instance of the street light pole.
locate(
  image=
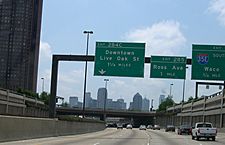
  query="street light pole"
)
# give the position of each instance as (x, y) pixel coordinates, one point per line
(85, 73)
(106, 80)
(184, 88)
(43, 84)
(171, 90)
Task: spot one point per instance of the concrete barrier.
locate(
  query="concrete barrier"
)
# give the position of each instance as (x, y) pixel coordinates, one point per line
(19, 128)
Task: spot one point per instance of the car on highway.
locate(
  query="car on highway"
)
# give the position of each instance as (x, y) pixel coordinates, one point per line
(142, 127)
(204, 130)
(156, 127)
(129, 126)
(170, 128)
(119, 126)
(184, 129)
(149, 127)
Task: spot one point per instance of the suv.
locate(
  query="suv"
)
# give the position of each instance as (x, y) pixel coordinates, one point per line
(184, 129)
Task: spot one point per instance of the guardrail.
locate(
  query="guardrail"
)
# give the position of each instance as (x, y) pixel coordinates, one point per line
(12, 103)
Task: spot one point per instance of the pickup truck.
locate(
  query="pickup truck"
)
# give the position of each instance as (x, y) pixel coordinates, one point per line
(204, 130)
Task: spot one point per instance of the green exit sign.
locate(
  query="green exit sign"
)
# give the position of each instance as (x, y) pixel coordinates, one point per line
(168, 67)
(208, 62)
(119, 59)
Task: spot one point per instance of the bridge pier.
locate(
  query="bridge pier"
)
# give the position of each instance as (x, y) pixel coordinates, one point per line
(102, 117)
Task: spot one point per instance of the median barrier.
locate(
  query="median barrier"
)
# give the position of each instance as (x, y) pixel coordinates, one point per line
(19, 128)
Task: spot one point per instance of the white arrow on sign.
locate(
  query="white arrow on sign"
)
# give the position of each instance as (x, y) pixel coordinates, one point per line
(101, 71)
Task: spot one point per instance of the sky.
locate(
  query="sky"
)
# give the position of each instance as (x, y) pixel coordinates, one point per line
(168, 27)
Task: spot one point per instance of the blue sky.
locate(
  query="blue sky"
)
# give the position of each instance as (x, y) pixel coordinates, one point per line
(168, 27)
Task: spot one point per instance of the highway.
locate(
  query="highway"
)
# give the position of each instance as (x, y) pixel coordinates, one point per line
(112, 136)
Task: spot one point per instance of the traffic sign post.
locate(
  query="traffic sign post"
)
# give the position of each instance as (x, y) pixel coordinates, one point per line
(119, 59)
(168, 67)
(208, 62)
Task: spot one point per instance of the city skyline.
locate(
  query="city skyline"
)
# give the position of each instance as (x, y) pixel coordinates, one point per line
(142, 104)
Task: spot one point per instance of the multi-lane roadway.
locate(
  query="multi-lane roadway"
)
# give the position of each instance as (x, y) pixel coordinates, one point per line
(113, 136)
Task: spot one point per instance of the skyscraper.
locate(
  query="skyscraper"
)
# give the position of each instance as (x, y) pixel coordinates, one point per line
(88, 99)
(101, 96)
(20, 24)
(137, 102)
(73, 101)
(121, 104)
(145, 104)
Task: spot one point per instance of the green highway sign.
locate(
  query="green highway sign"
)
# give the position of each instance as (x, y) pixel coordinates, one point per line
(208, 62)
(168, 67)
(119, 59)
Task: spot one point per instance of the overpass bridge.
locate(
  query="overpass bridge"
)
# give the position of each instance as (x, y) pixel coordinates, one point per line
(135, 117)
(101, 112)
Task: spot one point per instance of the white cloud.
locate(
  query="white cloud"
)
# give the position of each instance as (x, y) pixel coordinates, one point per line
(218, 7)
(164, 37)
(45, 50)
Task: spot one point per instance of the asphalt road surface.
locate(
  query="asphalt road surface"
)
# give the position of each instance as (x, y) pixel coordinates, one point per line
(112, 136)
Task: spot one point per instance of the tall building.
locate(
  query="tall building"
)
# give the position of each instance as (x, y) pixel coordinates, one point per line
(121, 104)
(131, 106)
(20, 25)
(145, 104)
(88, 99)
(101, 96)
(137, 102)
(161, 99)
(93, 103)
(116, 105)
(73, 101)
(109, 104)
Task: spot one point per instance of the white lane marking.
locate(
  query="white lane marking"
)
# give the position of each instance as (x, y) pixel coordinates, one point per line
(96, 143)
(149, 138)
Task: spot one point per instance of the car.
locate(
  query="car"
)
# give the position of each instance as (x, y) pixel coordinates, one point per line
(156, 127)
(129, 126)
(142, 127)
(119, 126)
(184, 129)
(170, 128)
(204, 130)
(149, 127)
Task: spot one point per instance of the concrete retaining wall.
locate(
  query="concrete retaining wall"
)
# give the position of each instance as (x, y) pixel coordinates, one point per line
(18, 128)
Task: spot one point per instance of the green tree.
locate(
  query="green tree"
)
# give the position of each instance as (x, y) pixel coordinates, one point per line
(28, 93)
(66, 104)
(167, 103)
(190, 99)
(45, 97)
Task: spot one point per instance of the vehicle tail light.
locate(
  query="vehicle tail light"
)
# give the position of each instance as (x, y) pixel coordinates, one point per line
(216, 130)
